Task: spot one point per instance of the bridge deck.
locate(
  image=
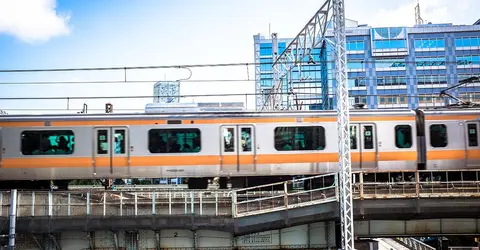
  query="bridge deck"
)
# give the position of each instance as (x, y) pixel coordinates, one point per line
(239, 211)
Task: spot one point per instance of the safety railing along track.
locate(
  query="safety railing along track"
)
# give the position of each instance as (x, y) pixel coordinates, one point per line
(240, 202)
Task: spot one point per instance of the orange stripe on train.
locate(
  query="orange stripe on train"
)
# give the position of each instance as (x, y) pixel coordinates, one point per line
(205, 121)
(86, 162)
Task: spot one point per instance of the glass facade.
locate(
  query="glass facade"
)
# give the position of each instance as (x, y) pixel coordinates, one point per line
(388, 67)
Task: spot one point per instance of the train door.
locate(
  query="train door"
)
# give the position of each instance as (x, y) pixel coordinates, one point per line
(363, 145)
(111, 155)
(237, 150)
(472, 152)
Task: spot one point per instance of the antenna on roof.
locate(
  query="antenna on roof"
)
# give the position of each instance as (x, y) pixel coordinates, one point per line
(418, 18)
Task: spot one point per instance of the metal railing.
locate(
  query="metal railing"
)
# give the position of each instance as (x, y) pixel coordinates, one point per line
(282, 196)
(243, 202)
(417, 184)
(415, 244)
(117, 203)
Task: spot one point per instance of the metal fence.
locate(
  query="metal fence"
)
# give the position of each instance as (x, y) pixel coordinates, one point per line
(243, 202)
(283, 196)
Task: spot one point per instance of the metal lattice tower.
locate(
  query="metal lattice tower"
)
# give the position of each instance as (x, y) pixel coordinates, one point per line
(166, 92)
(418, 17)
(310, 37)
(343, 124)
(294, 55)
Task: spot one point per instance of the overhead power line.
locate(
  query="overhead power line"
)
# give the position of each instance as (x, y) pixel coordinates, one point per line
(305, 63)
(118, 81)
(123, 68)
(187, 96)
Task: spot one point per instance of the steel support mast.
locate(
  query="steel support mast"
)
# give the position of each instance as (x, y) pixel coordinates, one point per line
(343, 124)
(310, 37)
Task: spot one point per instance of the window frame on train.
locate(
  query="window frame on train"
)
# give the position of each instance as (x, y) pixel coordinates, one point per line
(320, 130)
(169, 131)
(40, 133)
(436, 136)
(410, 135)
(472, 140)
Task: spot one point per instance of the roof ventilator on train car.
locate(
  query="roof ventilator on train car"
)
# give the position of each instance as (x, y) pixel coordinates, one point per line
(461, 103)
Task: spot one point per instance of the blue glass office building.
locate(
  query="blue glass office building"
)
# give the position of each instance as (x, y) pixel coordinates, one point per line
(388, 67)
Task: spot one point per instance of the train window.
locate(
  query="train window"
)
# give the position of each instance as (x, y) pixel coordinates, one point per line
(229, 139)
(119, 141)
(299, 138)
(403, 136)
(178, 140)
(246, 139)
(353, 137)
(102, 142)
(472, 135)
(438, 135)
(47, 142)
(368, 137)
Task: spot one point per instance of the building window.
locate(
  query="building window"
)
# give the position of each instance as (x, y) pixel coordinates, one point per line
(429, 43)
(468, 60)
(360, 99)
(390, 63)
(391, 80)
(430, 61)
(299, 138)
(355, 45)
(438, 135)
(403, 136)
(431, 79)
(47, 142)
(467, 42)
(390, 44)
(179, 140)
(357, 82)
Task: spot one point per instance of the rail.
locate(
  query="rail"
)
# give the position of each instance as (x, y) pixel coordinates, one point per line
(243, 202)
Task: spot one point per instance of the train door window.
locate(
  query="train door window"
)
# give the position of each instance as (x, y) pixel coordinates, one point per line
(102, 142)
(229, 139)
(438, 135)
(246, 139)
(403, 136)
(368, 137)
(472, 135)
(353, 137)
(119, 141)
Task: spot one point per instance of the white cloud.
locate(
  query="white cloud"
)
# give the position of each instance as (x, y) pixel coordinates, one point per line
(32, 20)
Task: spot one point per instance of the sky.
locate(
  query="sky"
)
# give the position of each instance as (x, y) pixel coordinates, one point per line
(42, 34)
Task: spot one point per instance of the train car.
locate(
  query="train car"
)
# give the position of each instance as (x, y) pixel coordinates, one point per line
(248, 148)
(451, 139)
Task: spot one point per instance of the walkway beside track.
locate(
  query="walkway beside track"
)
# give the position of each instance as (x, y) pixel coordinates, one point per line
(248, 210)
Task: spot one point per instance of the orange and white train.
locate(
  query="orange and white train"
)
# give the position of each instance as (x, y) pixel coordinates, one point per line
(248, 148)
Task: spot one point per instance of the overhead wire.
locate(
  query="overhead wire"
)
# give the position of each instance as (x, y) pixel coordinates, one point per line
(215, 65)
(185, 96)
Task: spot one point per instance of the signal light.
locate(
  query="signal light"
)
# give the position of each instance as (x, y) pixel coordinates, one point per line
(108, 108)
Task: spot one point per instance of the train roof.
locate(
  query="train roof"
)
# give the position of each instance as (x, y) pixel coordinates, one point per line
(200, 115)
